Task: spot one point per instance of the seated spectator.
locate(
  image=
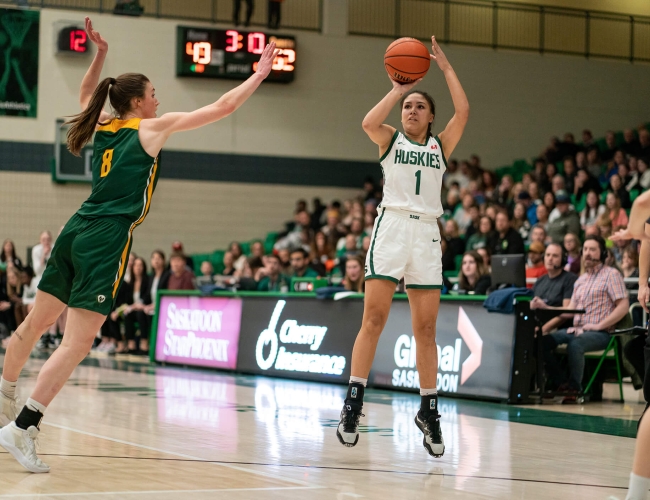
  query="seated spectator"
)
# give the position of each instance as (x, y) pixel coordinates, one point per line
(334, 230)
(610, 261)
(41, 253)
(257, 249)
(581, 160)
(587, 139)
(567, 220)
(569, 146)
(354, 274)
(619, 246)
(610, 141)
(611, 168)
(604, 225)
(177, 247)
(631, 145)
(228, 264)
(529, 206)
(572, 246)
(474, 277)
(272, 279)
(480, 239)
(593, 209)
(549, 201)
(520, 221)
(158, 279)
(321, 255)
(616, 186)
(537, 233)
(569, 173)
(584, 183)
(462, 216)
(503, 196)
(452, 200)
(8, 255)
(454, 241)
(642, 178)
(535, 267)
(285, 262)
(558, 183)
(625, 174)
(135, 312)
(30, 283)
(489, 180)
(300, 265)
(15, 294)
(294, 238)
(491, 211)
(556, 286)
(630, 266)
(238, 256)
(475, 216)
(486, 256)
(542, 213)
(207, 274)
(181, 278)
(614, 211)
(600, 291)
(533, 191)
(505, 240)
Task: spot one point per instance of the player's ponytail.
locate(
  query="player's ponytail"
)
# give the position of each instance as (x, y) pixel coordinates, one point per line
(83, 125)
(432, 106)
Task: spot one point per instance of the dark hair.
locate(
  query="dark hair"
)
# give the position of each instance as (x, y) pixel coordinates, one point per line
(273, 256)
(429, 99)
(144, 265)
(176, 255)
(119, 91)
(301, 251)
(481, 270)
(3, 256)
(160, 253)
(563, 253)
(601, 245)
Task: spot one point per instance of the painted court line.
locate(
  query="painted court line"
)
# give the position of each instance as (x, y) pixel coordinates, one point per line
(157, 492)
(183, 455)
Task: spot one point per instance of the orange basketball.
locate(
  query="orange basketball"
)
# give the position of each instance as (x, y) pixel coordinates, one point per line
(406, 60)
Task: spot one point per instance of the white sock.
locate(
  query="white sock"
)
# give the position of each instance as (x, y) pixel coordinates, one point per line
(8, 389)
(639, 487)
(359, 380)
(35, 406)
(428, 392)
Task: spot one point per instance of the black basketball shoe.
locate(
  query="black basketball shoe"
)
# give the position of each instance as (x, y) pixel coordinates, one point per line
(348, 429)
(430, 427)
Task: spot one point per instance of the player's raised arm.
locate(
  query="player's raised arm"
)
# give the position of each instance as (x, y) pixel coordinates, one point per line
(227, 104)
(91, 78)
(373, 124)
(454, 129)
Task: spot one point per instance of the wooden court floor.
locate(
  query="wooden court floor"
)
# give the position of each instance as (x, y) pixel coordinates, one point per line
(122, 429)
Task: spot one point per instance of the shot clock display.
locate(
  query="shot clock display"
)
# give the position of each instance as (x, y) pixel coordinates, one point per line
(212, 53)
(72, 39)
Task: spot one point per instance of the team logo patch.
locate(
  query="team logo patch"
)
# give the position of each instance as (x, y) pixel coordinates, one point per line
(354, 392)
(432, 404)
(101, 299)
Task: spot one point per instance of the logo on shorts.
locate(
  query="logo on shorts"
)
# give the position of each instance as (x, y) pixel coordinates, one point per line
(101, 299)
(435, 240)
(353, 393)
(416, 217)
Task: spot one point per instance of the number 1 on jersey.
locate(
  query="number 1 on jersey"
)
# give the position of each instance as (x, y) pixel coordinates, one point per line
(418, 174)
(107, 159)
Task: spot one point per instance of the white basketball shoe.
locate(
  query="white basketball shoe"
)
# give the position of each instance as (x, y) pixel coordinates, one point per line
(21, 445)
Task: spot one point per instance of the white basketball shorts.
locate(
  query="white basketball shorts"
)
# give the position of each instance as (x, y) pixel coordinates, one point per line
(405, 244)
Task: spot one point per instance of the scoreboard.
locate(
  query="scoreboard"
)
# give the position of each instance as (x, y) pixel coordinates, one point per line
(233, 54)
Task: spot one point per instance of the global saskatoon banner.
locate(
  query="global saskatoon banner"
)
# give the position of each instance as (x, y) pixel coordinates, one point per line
(198, 331)
(19, 62)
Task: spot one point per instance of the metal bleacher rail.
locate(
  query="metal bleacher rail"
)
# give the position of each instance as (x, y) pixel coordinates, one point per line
(298, 14)
(506, 25)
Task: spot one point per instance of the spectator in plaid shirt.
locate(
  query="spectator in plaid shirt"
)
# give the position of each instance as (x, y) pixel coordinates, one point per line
(601, 292)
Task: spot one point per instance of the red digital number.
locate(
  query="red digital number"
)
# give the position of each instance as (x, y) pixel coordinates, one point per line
(234, 41)
(256, 42)
(78, 40)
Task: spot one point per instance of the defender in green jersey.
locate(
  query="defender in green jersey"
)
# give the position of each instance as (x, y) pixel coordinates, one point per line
(88, 261)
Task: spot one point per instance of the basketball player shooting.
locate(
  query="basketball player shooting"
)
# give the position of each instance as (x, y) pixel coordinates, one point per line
(406, 238)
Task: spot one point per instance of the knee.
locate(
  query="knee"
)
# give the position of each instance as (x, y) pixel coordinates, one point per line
(373, 322)
(575, 348)
(38, 323)
(425, 333)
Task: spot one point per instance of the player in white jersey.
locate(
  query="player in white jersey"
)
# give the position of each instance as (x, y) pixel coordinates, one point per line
(405, 242)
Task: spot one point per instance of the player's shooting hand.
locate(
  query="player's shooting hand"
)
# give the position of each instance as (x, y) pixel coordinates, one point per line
(403, 88)
(438, 55)
(265, 64)
(95, 37)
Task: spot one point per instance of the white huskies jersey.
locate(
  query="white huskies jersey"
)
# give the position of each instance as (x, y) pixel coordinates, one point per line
(413, 175)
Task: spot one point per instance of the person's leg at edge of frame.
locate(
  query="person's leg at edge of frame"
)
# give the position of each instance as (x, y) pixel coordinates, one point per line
(378, 298)
(640, 476)
(18, 437)
(46, 310)
(425, 304)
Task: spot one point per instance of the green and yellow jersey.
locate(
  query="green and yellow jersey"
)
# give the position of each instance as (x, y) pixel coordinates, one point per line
(124, 174)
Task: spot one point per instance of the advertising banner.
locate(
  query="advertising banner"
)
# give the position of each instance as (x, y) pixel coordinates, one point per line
(306, 338)
(199, 331)
(474, 351)
(18, 62)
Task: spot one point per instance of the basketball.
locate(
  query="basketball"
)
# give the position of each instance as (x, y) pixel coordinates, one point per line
(406, 60)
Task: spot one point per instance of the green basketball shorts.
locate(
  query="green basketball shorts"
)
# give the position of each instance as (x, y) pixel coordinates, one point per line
(87, 265)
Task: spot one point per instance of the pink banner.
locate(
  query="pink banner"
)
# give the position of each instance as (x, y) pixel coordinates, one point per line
(199, 331)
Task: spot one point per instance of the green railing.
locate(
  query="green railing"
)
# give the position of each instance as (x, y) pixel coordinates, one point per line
(506, 25)
(296, 14)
